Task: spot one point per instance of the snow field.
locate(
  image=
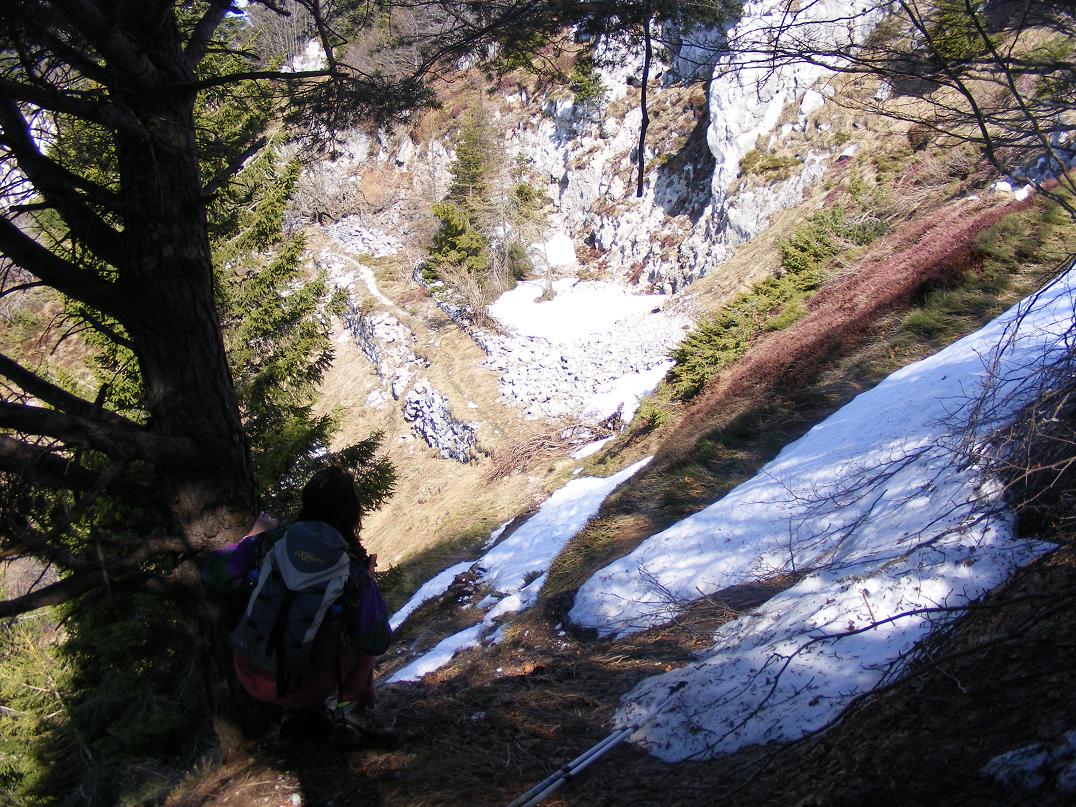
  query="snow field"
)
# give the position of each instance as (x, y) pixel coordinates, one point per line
(895, 537)
(515, 568)
(576, 311)
(592, 348)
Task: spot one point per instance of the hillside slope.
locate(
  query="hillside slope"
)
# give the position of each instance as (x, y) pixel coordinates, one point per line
(491, 723)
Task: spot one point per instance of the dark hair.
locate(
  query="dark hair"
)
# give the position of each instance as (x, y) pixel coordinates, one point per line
(330, 496)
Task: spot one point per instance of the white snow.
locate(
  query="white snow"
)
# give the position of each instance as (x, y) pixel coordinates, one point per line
(312, 58)
(430, 589)
(440, 655)
(898, 538)
(557, 251)
(1032, 766)
(578, 309)
(590, 448)
(496, 534)
(627, 390)
(530, 548)
(526, 553)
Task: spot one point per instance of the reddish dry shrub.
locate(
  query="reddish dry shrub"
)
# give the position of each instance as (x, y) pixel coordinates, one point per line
(924, 253)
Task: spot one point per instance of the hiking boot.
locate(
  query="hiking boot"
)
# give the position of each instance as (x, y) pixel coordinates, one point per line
(354, 727)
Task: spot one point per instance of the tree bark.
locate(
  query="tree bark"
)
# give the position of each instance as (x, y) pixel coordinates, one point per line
(166, 287)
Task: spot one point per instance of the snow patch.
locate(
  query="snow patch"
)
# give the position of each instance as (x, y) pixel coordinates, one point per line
(576, 310)
(312, 58)
(897, 537)
(526, 553)
(590, 449)
(1033, 766)
(427, 591)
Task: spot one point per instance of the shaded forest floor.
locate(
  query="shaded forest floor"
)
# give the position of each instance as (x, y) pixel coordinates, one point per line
(493, 724)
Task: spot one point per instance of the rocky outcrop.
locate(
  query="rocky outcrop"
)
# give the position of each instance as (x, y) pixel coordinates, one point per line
(749, 94)
(431, 419)
(692, 212)
(389, 345)
(358, 237)
(546, 380)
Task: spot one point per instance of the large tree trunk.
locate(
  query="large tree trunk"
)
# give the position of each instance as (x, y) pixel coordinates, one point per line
(171, 318)
(167, 281)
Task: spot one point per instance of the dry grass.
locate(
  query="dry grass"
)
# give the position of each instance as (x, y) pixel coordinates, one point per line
(932, 249)
(541, 443)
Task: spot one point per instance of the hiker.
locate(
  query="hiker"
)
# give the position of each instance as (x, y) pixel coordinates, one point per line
(313, 618)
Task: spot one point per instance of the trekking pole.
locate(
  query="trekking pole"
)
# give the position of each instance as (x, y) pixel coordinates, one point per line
(552, 783)
(555, 780)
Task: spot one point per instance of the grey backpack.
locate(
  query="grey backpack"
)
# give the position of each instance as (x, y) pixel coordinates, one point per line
(285, 629)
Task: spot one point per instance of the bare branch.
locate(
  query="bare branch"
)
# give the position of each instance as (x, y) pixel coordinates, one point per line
(121, 443)
(59, 398)
(230, 170)
(79, 105)
(109, 40)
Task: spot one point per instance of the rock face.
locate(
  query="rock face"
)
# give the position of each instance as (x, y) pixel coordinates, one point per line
(749, 94)
(389, 345)
(691, 215)
(587, 157)
(694, 210)
(427, 411)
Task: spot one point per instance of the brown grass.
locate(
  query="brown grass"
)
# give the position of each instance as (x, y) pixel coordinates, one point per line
(933, 250)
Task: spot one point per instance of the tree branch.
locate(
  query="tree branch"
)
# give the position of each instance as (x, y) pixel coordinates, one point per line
(255, 75)
(648, 54)
(120, 443)
(105, 330)
(40, 465)
(77, 105)
(60, 398)
(88, 18)
(122, 570)
(203, 32)
(65, 277)
(232, 167)
(57, 185)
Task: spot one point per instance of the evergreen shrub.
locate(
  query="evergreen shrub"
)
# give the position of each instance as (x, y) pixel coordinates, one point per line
(773, 303)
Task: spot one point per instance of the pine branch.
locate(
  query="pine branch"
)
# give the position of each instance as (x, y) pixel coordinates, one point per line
(41, 465)
(65, 277)
(60, 398)
(120, 571)
(93, 22)
(58, 186)
(119, 443)
(81, 106)
(202, 35)
(232, 168)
